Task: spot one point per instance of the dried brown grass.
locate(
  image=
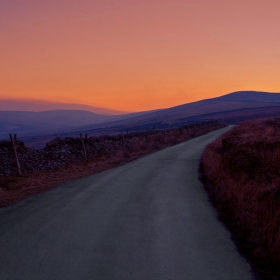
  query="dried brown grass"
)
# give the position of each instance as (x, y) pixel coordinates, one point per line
(240, 171)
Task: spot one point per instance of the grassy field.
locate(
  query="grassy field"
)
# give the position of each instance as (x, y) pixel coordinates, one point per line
(241, 172)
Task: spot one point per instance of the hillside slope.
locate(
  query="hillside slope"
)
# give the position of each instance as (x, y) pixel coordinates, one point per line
(230, 108)
(24, 122)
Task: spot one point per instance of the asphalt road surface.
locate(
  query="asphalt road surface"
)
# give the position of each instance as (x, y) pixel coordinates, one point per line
(149, 220)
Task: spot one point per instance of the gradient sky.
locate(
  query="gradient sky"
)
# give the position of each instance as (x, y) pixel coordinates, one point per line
(137, 55)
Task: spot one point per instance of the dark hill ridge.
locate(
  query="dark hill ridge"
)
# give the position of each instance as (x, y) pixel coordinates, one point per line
(230, 102)
(251, 96)
(231, 108)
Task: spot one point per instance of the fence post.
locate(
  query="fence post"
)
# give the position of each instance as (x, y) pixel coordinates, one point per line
(15, 152)
(83, 144)
(122, 141)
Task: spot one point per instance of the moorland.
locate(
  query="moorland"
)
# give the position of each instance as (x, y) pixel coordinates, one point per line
(240, 172)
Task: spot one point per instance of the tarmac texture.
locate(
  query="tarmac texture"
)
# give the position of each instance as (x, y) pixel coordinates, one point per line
(149, 219)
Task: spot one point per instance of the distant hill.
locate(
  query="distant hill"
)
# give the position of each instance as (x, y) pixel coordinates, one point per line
(39, 106)
(40, 122)
(251, 96)
(27, 123)
(230, 108)
(203, 110)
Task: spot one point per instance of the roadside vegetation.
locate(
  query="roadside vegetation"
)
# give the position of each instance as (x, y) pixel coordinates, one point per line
(15, 188)
(241, 173)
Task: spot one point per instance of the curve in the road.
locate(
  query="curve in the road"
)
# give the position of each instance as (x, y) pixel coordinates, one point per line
(148, 219)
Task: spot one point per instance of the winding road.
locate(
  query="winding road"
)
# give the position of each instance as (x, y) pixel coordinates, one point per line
(149, 220)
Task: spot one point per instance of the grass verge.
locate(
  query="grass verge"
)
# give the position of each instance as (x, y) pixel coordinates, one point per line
(241, 173)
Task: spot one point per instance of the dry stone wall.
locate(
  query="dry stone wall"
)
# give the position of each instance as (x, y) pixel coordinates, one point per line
(62, 152)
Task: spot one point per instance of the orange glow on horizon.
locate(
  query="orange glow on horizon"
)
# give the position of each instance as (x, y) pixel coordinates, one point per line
(137, 55)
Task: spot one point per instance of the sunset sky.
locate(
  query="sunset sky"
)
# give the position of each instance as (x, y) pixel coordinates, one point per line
(137, 55)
